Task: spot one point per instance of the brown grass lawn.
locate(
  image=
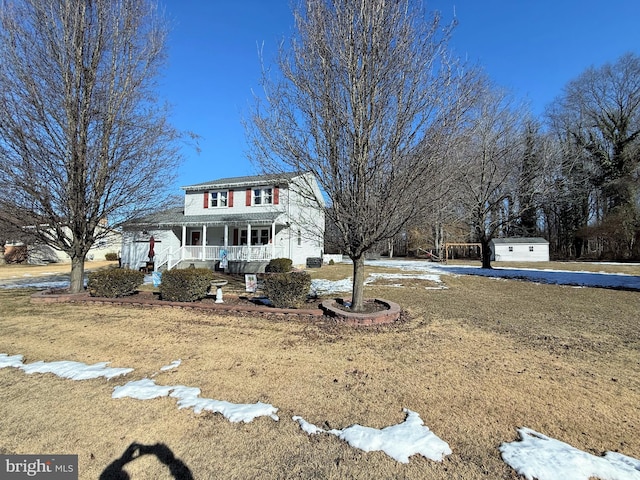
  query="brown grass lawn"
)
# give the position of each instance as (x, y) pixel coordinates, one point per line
(17, 272)
(475, 361)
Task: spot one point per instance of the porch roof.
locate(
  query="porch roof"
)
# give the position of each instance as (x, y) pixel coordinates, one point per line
(176, 217)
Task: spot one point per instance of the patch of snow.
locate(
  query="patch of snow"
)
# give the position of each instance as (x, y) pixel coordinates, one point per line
(406, 277)
(544, 458)
(534, 456)
(399, 441)
(39, 284)
(171, 366)
(14, 361)
(547, 276)
(189, 397)
(65, 368)
(329, 287)
(144, 389)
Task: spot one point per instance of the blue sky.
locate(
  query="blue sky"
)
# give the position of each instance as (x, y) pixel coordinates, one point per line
(532, 47)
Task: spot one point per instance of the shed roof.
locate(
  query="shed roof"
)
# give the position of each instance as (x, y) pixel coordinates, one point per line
(519, 241)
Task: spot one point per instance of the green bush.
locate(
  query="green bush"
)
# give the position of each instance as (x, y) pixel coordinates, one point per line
(114, 282)
(331, 262)
(287, 290)
(279, 265)
(185, 285)
(111, 257)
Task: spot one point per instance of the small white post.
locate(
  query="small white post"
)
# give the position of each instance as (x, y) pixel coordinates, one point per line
(273, 239)
(184, 241)
(248, 242)
(204, 241)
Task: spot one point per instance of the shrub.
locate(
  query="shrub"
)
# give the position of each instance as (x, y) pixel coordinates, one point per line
(279, 265)
(287, 290)
(185, 285)
(17, 254)
(114, 282)
(331, 262)
(111, 257)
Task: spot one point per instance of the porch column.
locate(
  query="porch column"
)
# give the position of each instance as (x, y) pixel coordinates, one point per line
(273, 240)
(204, 241)
(248, 242)
(184, 241)
(226, 237)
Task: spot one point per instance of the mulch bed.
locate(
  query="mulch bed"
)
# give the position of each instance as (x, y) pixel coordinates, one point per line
(379, 312)
(232, 303)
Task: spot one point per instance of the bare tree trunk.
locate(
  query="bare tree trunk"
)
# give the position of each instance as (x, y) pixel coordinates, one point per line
(486, 253)
(77, 275)
(357, 300)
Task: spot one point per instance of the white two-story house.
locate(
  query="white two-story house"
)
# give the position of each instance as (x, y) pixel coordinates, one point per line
(238, 224)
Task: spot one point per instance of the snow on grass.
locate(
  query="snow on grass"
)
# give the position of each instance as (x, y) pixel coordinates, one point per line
(399, 441)
(64, 368)
(14, 361)
(171, 366)
(42, 284)
(328, 287)
(543, 458)
(322, 287)
(535, 456)
(189, 397)
(548, 276)
(403, 278)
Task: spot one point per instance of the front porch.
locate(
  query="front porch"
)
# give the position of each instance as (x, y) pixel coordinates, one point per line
(208, 241)
(168, 259)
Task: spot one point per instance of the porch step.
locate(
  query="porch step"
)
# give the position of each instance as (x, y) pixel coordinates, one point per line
(209, 264)
(238, 267)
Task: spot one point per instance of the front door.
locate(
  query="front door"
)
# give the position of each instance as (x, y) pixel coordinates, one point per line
(195, 238)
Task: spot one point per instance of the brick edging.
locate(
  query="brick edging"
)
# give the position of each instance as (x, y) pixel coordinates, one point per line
(382, 317)
(46, 296)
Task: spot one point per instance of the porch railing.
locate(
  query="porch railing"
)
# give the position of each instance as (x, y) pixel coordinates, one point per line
(234, 253)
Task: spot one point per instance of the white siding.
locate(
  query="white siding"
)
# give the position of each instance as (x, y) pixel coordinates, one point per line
(194, 203)
(39, 253)
(299, 225)
(520, 252)
(135, 246)
(307, 218)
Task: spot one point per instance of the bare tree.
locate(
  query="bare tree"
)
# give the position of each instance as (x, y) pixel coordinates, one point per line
(82, 136)
(492, 167)
(366, 97)
(599, 114)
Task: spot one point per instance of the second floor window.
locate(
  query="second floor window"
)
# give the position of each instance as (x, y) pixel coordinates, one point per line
(262, 196)
(219, 199)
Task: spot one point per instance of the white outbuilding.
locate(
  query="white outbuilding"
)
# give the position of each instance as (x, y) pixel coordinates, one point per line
(519, 249)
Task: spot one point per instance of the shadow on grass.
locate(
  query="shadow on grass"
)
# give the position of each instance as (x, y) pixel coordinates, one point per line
(115, 470)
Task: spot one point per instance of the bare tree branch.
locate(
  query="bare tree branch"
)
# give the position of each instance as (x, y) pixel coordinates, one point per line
(83, 137)
(366, 98)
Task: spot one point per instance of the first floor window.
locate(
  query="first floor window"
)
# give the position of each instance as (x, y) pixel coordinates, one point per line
(259, 236)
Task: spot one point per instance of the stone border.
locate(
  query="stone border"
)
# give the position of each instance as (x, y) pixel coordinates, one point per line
(383, 317)
(327, 308)
(49, 296)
